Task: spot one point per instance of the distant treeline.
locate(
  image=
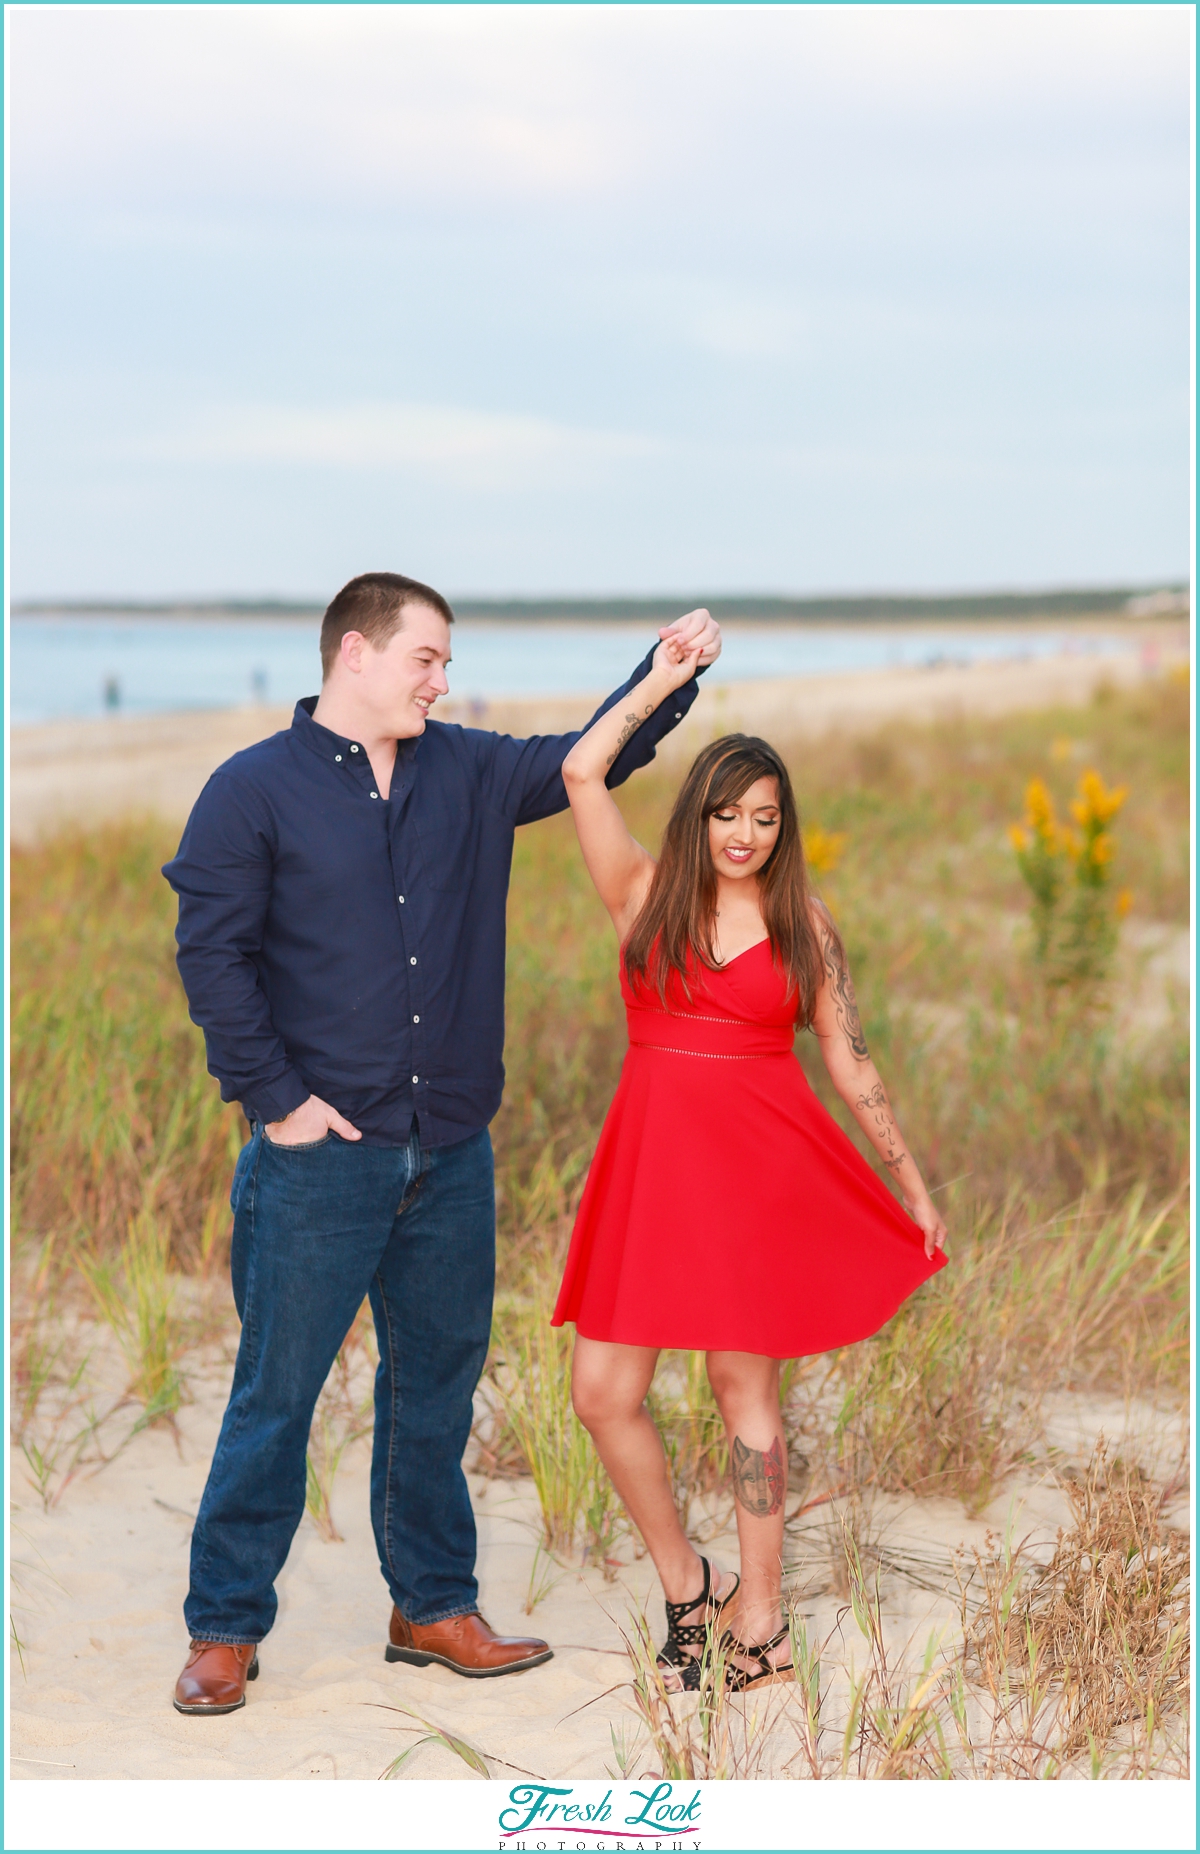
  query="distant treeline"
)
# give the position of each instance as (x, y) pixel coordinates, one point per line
(874, 609)
(868, 609)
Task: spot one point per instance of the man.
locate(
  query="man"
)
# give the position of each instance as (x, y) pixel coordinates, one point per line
(342, 892)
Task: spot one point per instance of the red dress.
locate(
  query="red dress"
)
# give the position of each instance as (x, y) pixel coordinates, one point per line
(724, 1209)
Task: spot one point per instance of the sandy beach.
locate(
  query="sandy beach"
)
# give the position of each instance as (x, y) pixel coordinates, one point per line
(81, 772)
(100, 1577)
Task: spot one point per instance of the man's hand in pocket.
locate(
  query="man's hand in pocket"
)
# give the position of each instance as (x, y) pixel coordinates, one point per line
(308, 1123)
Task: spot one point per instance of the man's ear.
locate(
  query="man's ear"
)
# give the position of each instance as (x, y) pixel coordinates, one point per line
(352, 645)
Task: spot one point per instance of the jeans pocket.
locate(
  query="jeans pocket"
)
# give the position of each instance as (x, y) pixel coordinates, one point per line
(304, 1145)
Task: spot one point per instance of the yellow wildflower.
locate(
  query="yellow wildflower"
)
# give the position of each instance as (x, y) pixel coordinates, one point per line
(823, 849)
(1097, 803)
(1039, 813)
(1073, 933)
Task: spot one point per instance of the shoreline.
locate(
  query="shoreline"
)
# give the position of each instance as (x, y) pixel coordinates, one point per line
(1098, 623)
(66, 773)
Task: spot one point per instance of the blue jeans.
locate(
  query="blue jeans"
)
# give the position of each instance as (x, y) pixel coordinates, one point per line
(315, 1229)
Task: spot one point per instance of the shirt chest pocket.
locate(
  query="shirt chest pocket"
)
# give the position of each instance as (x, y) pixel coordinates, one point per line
(448, 833)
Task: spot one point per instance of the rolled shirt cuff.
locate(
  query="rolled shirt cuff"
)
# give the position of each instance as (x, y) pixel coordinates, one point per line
(275, 1100)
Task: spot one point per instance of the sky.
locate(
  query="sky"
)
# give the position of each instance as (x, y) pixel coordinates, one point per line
(631, 299)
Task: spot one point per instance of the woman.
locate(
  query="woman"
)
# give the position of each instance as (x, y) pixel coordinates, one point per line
(725, 1211)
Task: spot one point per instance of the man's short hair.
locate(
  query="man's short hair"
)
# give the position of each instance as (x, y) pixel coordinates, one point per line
(374, 604)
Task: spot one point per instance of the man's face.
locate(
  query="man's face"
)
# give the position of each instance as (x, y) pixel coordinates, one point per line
(402, 681)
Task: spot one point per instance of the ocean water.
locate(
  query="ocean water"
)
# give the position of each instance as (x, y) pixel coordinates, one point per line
(80, 667)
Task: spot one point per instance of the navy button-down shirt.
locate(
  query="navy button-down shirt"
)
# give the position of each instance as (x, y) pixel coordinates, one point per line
(336, 943)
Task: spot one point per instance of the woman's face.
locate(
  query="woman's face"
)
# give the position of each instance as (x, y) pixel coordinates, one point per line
(742, 835)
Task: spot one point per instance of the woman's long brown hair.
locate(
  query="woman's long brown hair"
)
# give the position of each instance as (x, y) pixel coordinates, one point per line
(674, 931)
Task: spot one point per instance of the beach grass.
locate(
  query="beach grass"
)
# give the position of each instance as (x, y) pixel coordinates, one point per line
(1052, 1121)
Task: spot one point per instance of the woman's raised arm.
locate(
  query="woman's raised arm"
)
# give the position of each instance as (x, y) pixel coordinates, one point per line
(617, 863)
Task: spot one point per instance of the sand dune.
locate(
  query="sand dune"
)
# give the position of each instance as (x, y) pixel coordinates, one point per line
(101, 1576)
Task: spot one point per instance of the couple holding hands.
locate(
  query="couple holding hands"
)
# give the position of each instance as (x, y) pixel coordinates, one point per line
(342, 890)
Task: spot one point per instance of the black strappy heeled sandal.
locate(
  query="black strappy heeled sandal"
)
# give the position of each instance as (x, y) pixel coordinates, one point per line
(683, 1635)
(738, 1679)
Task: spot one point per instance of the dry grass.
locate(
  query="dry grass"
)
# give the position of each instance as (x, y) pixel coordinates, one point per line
(1075, 1665)
(113, 1114)
(1086, 1656)
(133, 1293)
(537, 1434)
(946, 1399)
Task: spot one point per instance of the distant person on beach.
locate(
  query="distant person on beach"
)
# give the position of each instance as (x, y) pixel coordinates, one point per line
(342, 893)
(725, 1211)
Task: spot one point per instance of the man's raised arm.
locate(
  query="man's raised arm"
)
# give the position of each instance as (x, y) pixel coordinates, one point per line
(527, 774)
(222, 876)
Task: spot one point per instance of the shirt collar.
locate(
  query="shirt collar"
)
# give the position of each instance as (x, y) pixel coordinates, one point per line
(332, 746)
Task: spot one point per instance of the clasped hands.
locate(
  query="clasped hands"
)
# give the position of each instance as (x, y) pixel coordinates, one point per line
(691, 643)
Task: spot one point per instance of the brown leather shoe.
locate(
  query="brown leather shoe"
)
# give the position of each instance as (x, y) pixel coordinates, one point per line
(214, 1676)
(464, 1644)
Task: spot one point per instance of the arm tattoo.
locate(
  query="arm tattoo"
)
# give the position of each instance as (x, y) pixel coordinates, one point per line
(877, 1105)
(759, 1478)
(632, 724)
(844, 1001)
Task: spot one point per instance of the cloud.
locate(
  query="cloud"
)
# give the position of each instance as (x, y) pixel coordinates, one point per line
(362, 103)
(748, 327)
(456, 445)
(312, 102)
(766, 292)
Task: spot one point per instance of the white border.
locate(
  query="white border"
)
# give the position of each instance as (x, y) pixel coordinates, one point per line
(211, 1815)
(158, 1814)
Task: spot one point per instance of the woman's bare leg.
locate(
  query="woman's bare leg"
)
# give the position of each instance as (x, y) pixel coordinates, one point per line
(746, 1388)
(609, 1383)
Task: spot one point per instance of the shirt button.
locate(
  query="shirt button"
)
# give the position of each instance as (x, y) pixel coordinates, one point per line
(354, 749)
(679, 717)
(374, 794)
(413, 960)
(338, 758)
(400, 898)
(416, 1078)
(416, 1020)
